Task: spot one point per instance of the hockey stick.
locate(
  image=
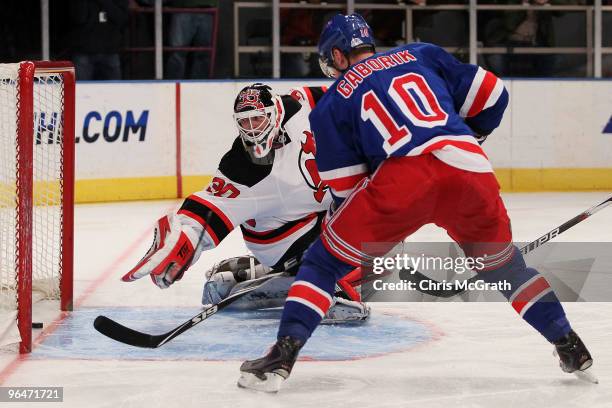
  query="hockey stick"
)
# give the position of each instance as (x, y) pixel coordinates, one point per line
(417, 277)
(116, 331)
(120, 333)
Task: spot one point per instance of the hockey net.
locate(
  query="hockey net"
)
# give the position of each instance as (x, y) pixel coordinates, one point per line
(36, 192)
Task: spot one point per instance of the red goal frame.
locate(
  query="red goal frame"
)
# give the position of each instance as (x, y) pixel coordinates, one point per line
(25, 190)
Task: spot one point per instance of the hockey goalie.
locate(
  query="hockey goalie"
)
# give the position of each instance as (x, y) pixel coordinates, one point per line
(267, 184)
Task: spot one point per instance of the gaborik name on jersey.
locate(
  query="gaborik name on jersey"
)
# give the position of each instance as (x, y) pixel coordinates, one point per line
(354, 76)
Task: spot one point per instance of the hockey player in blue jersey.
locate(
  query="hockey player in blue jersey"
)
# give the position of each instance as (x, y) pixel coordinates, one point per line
(398, 141)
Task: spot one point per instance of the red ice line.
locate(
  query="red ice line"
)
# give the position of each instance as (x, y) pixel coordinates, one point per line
(10, 368)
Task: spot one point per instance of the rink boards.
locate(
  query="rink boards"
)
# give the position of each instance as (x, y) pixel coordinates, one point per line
(155, 140)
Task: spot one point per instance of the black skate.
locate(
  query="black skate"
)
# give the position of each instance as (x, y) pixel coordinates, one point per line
(268, 373)
(574, 357)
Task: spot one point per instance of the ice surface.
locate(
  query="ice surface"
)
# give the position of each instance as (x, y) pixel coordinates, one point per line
(410, 355)
(231, 335)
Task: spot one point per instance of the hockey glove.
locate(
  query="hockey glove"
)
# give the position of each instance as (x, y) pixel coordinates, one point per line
(174, 250)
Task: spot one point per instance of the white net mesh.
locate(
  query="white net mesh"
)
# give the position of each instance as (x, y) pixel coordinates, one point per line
(48, 159)
(47, 182)
(8, 182)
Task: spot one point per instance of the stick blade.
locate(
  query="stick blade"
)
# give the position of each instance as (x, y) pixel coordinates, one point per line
(122, 334)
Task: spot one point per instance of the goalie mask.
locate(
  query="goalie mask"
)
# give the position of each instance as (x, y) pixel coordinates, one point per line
(258, 114)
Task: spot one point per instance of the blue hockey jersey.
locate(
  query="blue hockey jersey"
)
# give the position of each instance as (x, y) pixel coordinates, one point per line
(412, 100)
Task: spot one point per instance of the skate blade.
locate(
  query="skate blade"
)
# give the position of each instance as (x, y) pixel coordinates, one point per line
(586, 375)
(271, 384)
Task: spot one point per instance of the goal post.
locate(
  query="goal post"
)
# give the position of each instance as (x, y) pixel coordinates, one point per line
(37, 107)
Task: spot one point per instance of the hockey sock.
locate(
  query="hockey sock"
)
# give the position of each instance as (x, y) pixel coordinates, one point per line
(310, 295)
(532, 297)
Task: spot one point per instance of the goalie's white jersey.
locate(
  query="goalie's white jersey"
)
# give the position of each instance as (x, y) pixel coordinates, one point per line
(279, 206)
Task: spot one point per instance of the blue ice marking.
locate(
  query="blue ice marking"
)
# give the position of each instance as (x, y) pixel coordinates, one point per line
(227, 336)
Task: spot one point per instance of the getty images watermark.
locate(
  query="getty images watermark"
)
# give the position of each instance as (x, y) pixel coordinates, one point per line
(409, 265)
(441, 271)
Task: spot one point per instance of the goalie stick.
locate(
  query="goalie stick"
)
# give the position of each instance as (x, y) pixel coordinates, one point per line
(417, 277)
(123, 334)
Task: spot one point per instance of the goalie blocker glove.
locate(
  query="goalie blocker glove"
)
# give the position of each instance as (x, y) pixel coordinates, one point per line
(175, 248)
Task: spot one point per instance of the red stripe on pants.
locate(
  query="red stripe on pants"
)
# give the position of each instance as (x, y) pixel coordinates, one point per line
(311, 295)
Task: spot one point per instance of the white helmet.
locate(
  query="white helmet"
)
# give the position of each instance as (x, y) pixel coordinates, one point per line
(258, 114)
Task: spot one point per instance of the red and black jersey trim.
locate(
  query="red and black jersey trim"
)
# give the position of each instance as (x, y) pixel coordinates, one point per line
(291, 108)
(275, 235)
(214, 221)
(292, 258)
(314, 94)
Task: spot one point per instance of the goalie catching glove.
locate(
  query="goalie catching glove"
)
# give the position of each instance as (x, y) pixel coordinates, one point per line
(176, 246)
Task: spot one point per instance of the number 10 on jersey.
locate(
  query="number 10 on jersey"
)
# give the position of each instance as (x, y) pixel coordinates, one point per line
(415, 100)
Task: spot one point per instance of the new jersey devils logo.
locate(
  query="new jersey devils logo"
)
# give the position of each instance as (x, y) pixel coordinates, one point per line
(308, 167)
(249, 98)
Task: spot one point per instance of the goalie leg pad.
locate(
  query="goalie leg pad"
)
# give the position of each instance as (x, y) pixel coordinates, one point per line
(218, 287)
(346, 311)
(225, 275)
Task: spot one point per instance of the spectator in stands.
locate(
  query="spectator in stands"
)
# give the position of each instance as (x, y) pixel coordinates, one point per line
(190, 29)
(7, 33)
(97, 37)
(302, 27)
(388, 26)
(529, 28)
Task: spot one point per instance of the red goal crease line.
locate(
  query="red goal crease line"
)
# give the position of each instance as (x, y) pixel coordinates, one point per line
(14, 364)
